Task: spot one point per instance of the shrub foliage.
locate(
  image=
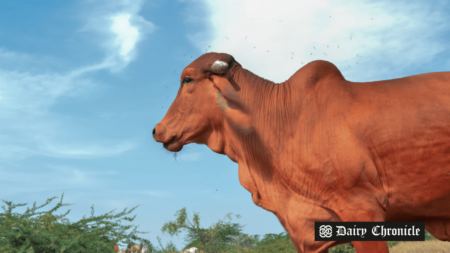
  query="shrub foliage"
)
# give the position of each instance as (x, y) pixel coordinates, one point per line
(45, 232)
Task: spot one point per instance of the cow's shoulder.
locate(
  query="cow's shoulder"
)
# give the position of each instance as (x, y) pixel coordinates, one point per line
(316, 72)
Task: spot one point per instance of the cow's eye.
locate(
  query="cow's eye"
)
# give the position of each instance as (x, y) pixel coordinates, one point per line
(188, 80)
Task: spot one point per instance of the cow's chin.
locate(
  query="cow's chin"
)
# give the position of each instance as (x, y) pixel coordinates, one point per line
(173, 146)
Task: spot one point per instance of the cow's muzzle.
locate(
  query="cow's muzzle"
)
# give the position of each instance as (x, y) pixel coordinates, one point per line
(171, 143)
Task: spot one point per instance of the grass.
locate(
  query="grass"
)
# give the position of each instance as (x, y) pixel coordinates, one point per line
(434, 246)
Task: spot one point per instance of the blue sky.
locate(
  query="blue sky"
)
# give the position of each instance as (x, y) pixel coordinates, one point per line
(83, 83)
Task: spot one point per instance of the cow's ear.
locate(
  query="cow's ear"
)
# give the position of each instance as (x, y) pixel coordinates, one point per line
(235, 111)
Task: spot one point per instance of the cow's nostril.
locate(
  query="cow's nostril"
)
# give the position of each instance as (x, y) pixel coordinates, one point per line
(154, 132)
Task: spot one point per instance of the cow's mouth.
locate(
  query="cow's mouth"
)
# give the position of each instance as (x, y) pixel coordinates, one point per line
(174, 145)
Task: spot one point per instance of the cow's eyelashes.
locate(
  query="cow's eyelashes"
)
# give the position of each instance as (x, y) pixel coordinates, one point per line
(187, 80)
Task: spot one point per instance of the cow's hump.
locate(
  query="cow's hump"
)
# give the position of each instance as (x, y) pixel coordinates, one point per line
(315, 71)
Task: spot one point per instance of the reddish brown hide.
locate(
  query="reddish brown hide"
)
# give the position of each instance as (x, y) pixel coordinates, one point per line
(320, 148)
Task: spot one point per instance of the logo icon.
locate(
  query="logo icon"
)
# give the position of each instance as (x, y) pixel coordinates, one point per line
(325, 231)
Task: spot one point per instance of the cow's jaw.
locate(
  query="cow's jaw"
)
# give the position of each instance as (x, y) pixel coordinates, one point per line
(174, 145)
(175, 140)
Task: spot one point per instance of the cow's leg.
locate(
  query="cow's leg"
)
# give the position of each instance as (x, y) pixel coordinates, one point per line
(362, 198)
(303, 238)
(365, 209)
(440, 229)
(369, 247)
(298, 219)
(366, 212)
(370, 215)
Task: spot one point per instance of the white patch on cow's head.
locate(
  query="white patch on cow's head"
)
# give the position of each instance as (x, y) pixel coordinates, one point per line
(219, 67)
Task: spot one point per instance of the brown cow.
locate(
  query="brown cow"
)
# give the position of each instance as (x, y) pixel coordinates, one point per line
(320, 148)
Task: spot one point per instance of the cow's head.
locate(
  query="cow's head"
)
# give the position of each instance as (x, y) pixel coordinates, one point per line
(207, 99)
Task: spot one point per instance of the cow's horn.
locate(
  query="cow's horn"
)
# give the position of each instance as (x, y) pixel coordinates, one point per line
(219, 67)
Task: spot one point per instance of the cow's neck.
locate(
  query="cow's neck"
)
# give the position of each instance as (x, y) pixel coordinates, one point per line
(258, 154)
(269, 105)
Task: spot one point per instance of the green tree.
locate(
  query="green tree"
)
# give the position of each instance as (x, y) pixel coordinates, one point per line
(245, 241)
(343, 248)
(48, 233)
(275, 243)
(242, 243)
(170, 247)
(217, 238)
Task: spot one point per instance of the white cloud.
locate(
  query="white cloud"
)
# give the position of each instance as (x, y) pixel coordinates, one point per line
(85, 150)
(127, 35)
(388, 37)
(128, 29)
(56, 178)
(29, 128)
(124, 29)
(9, 56)
(33, 94)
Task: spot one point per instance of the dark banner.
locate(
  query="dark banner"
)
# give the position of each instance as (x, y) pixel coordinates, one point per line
(369, 231)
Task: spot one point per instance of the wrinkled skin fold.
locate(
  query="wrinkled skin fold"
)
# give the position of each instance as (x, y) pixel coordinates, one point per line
(320, 148)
